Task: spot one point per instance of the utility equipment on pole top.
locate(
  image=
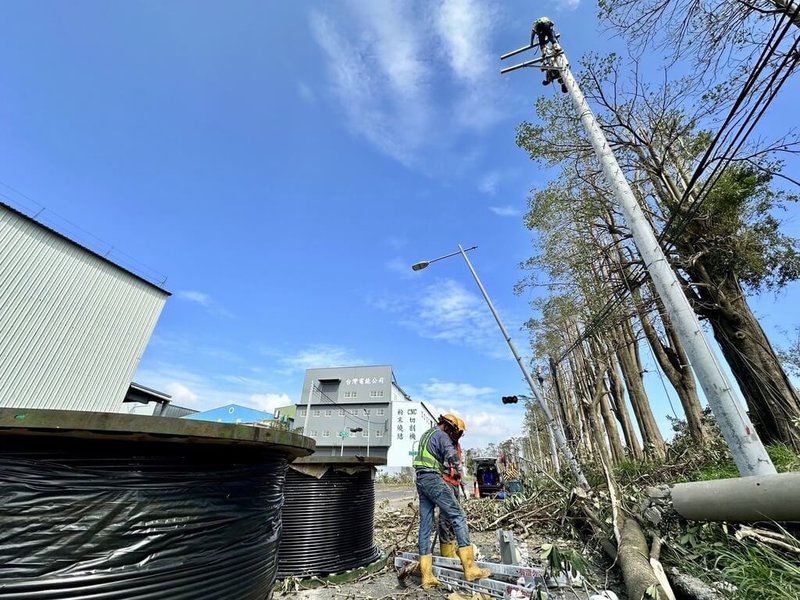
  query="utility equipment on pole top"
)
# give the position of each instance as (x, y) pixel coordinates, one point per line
(748, 452)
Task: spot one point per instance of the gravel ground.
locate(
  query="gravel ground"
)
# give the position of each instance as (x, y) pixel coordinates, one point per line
(396, 527)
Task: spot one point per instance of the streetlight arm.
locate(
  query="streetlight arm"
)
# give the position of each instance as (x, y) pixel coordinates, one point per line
(424, 264)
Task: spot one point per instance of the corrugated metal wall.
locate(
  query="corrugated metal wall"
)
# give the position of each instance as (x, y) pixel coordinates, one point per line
(72, 325)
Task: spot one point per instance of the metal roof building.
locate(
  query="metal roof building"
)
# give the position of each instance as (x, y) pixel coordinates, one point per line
(73, 324)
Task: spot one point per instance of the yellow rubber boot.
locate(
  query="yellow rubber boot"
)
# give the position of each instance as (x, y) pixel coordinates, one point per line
(447, 549)
(426, 569)
(471, 571)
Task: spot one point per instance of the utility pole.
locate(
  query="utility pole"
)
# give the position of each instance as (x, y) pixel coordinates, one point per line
(748, 452)
(551, 422)
(555, 431)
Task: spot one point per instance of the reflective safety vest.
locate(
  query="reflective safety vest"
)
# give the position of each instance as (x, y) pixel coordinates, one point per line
(424, 459)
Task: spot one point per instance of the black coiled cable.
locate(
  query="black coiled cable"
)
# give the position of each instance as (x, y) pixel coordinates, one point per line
(111, 520)
(328, 523)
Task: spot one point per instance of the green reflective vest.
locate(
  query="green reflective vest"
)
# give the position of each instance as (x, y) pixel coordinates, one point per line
(424, 458)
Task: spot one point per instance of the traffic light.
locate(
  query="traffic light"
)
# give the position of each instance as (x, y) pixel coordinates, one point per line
(510, 399)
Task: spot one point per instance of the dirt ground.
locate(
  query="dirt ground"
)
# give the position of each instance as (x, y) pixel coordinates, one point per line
(396, 529)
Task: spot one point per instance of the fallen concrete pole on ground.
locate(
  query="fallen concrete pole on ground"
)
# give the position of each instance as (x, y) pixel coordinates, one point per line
(743, 499)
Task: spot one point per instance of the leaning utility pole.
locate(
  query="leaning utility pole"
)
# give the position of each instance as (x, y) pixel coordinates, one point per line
(552, 424)
(555, 429)
(748, 452)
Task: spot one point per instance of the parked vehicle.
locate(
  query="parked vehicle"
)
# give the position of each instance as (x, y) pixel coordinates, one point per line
(487, 477)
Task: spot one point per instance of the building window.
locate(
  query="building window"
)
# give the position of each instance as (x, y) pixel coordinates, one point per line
(328, 413)
(365, 433)
(379, 433)
(380, 412)
(326, 433)
(366, 411)
(314, 433)
(341, 412)
(301, 412)
(350, 394)
(315, 412)
(376, 394)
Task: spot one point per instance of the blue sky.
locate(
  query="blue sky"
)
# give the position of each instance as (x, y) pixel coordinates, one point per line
(283, 164)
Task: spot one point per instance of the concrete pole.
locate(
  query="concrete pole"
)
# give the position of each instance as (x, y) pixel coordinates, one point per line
(556, 423)
(558, 434)
(554, 453)
(308, 407)
(748, 452)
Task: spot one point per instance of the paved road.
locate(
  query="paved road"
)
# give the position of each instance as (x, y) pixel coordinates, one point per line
(394, 493)
(385, 492)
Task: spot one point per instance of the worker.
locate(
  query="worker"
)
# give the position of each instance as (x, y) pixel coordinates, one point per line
(452, 476)
(435, 455)
(543, 30)
(551, 75)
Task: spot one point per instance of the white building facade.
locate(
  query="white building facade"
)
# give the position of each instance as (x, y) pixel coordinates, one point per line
(361, 411)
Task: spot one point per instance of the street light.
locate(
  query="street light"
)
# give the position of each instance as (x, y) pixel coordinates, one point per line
(556, 431)
(425, 263)
(345, 433)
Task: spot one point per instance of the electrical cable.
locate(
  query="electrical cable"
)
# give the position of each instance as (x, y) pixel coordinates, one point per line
(92, 519)
(328, 523)
(722, 134)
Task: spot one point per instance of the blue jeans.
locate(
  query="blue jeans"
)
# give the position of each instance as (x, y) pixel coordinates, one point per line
(446, 532)
(433, 492)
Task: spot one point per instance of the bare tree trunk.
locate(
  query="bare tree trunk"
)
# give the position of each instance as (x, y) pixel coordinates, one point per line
(628, 355)
(612, 432)
(772, 400)
(620, 408)
(674, 363)
(568, 431)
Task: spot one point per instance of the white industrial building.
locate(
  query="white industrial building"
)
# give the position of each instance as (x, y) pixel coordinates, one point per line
(74, 324)
(362, 411)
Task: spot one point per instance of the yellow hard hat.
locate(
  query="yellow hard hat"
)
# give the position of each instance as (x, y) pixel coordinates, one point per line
(453, 421)
(461, 425)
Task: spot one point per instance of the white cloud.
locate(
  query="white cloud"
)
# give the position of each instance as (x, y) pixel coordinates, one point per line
(390, 30)
(320, 356)
(388, 64)
(395, 242)
(488, 421)
(446, 311)
(488, 183)
(306, 93)
(207, 389)
(205, 301)
(464, 28)
(394, 123)
(400, 266)
(567, 4)
(193, 296)
(504, 211)
(269, 402)
(180, 393)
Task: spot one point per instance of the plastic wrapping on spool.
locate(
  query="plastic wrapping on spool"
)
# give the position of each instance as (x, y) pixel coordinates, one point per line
(328, 522)
(111, 520)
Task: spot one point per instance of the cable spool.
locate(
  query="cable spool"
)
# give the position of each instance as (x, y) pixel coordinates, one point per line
(121, 507)
(328, 520)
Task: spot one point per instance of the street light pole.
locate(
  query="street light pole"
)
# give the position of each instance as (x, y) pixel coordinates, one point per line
(560, 439)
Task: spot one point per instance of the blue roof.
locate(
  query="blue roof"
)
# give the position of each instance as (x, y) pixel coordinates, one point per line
(231, 413)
